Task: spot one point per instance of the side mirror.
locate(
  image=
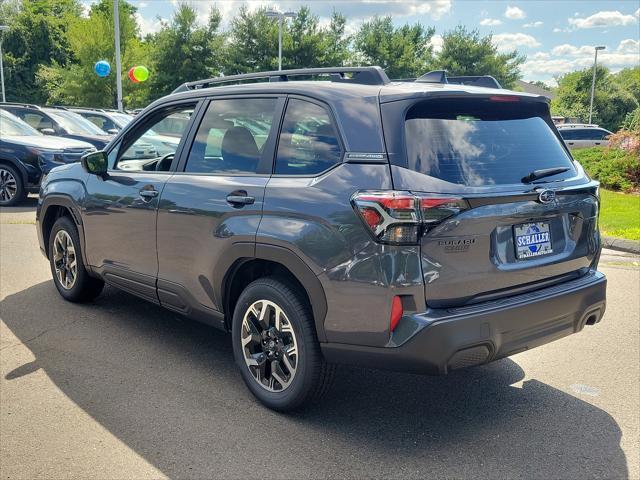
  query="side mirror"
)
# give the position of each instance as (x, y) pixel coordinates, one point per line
(48, 131)
(95, 163)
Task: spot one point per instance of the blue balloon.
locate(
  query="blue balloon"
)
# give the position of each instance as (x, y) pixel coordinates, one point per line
(102, 68)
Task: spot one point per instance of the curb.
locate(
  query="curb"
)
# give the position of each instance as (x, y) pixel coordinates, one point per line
(631, 246)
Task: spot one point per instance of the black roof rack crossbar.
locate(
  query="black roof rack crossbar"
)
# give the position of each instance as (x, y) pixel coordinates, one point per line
(360, 75)
(440, 76)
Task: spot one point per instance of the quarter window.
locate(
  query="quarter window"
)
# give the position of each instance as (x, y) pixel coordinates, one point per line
(308, 142)
(232, 136)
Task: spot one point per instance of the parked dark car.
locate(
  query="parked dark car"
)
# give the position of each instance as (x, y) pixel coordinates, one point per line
(420, 225)
(26, 155)
(60, 122)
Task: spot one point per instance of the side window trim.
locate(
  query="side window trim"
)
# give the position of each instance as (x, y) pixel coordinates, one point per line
(334, 125)
(267, 159)
(144, 122)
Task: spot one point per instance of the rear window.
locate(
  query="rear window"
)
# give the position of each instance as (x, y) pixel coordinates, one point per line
(482, 142)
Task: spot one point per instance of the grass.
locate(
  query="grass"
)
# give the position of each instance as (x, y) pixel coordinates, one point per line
(620, 215)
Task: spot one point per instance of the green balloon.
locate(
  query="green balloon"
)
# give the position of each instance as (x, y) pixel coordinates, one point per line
(141, 73)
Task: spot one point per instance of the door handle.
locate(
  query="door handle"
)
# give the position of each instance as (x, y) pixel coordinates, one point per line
(570, 143)
(240, 197)
(148, 194)
(597, 143)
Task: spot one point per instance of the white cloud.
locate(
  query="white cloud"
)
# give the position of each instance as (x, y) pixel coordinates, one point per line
(629, 46)
(637, 14)
(603, 19)
(566, 58)
(149, 25)
(533, 24)
(436, 43)
(509, 41)
(143, 4)
(490, 22)
(514, 13)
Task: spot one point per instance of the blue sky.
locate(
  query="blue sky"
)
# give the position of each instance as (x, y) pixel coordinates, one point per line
(557, 36)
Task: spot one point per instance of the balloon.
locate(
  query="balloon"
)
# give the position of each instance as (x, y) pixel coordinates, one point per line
(102, 68)
(132, 76)
(140, 73)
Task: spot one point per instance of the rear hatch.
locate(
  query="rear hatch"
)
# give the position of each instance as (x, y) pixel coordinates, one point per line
(505, 209)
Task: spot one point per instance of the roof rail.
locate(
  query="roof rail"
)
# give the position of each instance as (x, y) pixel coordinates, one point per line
(440, 76)
(361, 75)
(20, 104)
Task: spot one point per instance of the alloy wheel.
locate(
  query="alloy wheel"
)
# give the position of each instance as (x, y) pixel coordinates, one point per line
(64, 260)
(8, 185)
(269, 345)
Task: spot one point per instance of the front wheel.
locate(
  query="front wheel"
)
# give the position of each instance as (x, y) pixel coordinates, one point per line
(12, 189)
(276, 347)
(65, 257)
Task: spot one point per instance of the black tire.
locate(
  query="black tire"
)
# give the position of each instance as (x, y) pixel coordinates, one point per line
(312, 375)
(9, 172)
(84, 287)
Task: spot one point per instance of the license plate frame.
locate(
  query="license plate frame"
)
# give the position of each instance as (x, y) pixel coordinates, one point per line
(532, 240)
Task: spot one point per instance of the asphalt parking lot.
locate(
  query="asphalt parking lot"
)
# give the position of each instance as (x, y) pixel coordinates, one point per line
(124, 389)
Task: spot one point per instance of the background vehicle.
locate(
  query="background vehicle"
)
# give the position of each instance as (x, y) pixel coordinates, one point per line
(26, 155)
(60, 122)
(114, 121)
(580, 135)
(421, 226)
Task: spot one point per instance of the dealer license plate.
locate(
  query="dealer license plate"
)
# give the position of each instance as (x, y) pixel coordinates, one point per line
(532, 240)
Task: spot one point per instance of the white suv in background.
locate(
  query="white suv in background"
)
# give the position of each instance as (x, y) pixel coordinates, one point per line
(582, 135)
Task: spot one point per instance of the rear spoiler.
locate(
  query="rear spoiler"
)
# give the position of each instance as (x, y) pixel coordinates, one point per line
(440, 76)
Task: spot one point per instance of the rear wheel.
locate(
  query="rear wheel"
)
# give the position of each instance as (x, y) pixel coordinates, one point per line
(65, 257)
(12, 190)
(276, 347)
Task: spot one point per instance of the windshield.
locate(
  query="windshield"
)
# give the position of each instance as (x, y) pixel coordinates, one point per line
(121, 119)
(12, 125)
(481, 143)
(75, 124)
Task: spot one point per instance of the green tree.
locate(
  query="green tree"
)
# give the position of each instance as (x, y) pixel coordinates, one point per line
(92, 39)
(37, 36)
(611, 101)
(401, 51)
(184, 51)
(466, 52)
(253, 42)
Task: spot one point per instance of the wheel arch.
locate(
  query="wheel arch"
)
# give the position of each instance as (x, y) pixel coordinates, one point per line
(54, 207)
(277, 261)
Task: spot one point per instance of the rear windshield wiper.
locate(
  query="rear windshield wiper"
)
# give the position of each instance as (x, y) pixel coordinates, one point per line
(543, 172)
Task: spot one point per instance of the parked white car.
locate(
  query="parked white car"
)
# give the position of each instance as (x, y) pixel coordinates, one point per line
(582, 135)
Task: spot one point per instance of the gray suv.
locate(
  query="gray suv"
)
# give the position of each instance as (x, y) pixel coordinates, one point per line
(422, 226)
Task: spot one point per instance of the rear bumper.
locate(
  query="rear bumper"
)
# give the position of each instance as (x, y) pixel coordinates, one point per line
(441, 340)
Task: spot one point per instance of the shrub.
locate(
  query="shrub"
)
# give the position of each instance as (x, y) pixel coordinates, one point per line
(615, 168)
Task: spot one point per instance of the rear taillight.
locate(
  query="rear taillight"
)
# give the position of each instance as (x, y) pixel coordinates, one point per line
(402, 217)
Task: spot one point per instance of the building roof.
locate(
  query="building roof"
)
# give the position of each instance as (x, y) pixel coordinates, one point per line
(531, 88)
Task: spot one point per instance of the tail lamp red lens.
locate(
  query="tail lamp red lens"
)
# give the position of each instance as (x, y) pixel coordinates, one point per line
(396, 313)
(401, 217)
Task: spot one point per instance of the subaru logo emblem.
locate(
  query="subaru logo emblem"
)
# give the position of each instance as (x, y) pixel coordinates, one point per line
(547, 196)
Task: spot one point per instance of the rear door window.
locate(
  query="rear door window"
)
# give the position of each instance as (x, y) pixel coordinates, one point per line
(231, 137)
(480, 142)
(308, 142)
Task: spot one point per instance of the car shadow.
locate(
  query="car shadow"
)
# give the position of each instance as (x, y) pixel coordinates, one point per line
(168, 388)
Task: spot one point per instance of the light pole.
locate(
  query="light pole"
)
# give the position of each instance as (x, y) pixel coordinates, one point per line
(280, 16)
(593, 81)
(3, 28)
(116, 22)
